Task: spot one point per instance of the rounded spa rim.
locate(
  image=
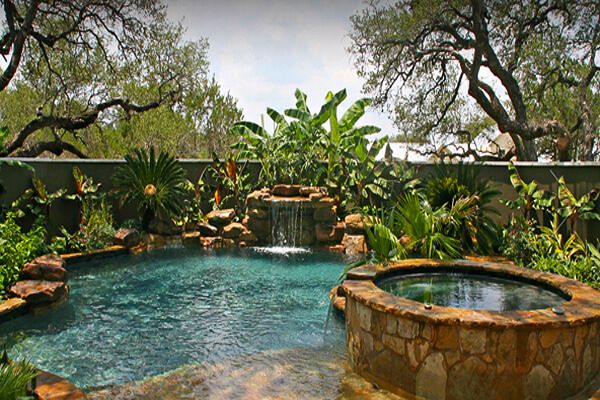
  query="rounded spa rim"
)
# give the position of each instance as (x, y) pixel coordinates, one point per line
(582, 308)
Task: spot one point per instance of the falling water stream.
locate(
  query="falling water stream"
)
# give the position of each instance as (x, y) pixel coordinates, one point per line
(286, 224)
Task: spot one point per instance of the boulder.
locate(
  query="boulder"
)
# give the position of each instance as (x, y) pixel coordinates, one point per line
(207, 229)
(337, 298)
(260, 213)
(53, 387)
(307, 236)
(306, 191)
(325, 214)
(127, 237)
(322, 202)
(9, 307)
(315, 197)
(336, 248)
(326, 233)
(226, 243)
(354, 244)
(190, 238)
(214, 242)
(38, 292)
(260, 227)
(248, 237)
(233, 230)
(354, 224)
(164, 227)
(286, 190)
(46, 268)
(258, 198)
(221, 217)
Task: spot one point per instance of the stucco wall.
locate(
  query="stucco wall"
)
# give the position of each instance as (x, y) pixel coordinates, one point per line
(581, 177)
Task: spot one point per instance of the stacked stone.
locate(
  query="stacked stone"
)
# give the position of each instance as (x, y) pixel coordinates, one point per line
(257, 215)
(354, 241)
(45, 281)
(319, 222)
(221, 231)
(452, 354)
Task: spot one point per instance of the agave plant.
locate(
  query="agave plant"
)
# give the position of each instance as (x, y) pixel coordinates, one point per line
(156, 185)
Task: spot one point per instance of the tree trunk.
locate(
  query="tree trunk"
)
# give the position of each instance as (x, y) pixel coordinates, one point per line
(524, 149)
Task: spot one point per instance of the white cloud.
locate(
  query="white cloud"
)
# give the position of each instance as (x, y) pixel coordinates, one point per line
(262, 50)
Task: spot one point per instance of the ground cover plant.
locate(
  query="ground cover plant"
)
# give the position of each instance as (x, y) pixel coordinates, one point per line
(15, 379)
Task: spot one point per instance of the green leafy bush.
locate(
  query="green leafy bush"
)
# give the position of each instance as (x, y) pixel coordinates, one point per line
(17, 248)
(425, 228)
(96, 229)
(556, 248)
(583, 269)
(15, 377)
(155, 185)
(463, 191)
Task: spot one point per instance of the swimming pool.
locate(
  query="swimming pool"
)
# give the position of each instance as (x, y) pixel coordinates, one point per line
(134, 317)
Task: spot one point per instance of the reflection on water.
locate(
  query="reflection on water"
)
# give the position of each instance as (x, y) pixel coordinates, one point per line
(472, 291)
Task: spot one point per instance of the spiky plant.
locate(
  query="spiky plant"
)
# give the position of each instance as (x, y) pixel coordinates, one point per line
(14, 378)
(468, 197)
(424, 228)
(156, 185)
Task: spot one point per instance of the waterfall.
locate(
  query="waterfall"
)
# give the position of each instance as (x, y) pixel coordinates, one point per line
(286, 223)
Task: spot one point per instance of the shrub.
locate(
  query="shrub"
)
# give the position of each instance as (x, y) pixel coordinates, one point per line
(469, 197)
(424, 228)
(96, 229)
(156, 185)
(17, 248)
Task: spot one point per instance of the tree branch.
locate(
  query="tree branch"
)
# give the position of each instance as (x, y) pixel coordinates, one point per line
(74, 123)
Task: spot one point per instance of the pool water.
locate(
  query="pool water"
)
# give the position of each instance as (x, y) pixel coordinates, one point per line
(134, 317)
(472, 291)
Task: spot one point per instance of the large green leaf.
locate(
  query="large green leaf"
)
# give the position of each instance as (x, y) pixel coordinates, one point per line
(301, 101)
(353, 114)
(297, 114)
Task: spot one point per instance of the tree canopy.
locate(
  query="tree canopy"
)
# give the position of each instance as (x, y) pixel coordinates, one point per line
(532, 67)
(100, 78)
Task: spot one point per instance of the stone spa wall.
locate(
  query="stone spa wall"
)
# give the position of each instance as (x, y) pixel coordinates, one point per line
(447, 353)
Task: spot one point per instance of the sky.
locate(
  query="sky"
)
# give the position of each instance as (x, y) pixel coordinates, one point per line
(262, 50)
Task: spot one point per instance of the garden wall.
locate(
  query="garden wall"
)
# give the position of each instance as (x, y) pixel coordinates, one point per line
(581, 177)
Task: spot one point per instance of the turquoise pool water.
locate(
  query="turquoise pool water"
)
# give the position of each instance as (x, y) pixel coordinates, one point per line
(133, 317)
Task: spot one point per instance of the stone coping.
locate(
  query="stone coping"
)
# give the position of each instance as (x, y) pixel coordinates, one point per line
(72, 258)
(54, 387)
(582, 308)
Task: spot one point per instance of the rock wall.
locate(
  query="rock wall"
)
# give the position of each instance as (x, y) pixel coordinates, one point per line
(461, 354)
(317, 221)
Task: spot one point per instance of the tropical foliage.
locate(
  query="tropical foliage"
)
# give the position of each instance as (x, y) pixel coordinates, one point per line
(156, 185)
(322, 149)
(15, 377)
(558, 247)
(17, 247)
(461, 189)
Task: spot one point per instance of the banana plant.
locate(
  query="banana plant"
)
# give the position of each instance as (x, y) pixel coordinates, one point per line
(573, 209)
(300, 142)
(530, 198)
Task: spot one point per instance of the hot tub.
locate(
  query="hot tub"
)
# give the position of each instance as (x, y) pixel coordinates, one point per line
(472, 330)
